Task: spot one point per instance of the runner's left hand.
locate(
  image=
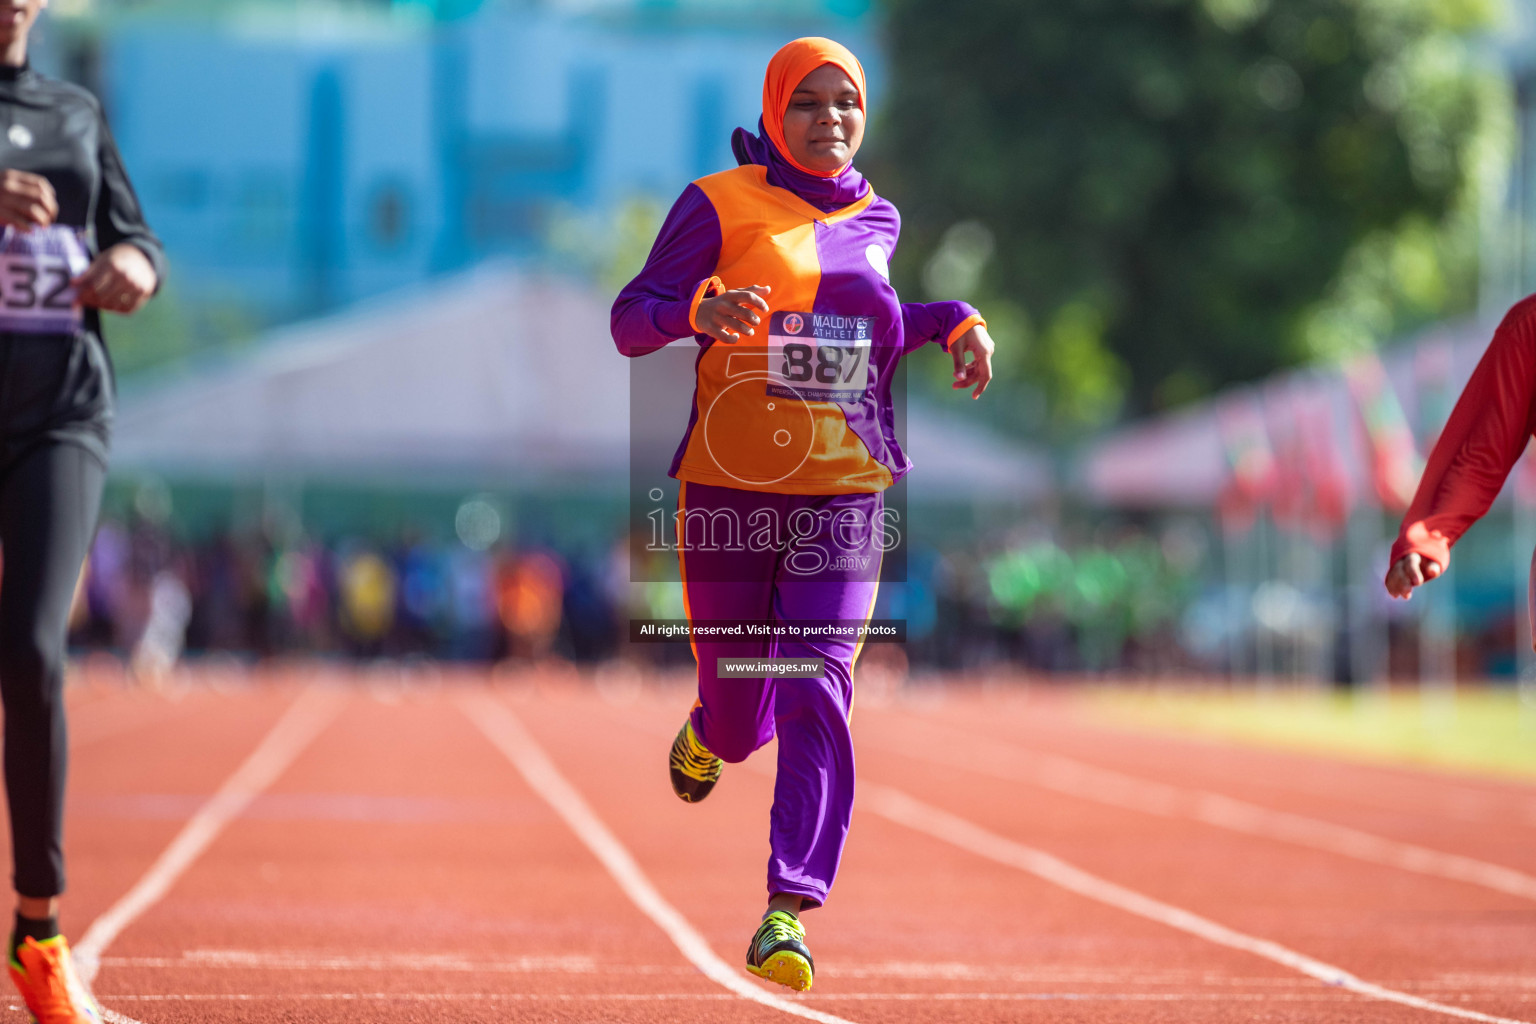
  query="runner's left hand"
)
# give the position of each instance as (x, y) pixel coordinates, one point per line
(977, 373)
(119, 280)
(1412, 570)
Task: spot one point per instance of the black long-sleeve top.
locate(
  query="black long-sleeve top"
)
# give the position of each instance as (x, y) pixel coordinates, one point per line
(56, 377)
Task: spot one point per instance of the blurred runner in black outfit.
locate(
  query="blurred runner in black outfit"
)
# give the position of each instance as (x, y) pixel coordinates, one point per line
(74, 242)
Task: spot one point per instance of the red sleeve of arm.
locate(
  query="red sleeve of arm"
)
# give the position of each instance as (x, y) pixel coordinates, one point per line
(1481, 442)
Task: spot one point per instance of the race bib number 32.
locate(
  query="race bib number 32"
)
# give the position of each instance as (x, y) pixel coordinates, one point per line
(35, 270)
(819, 357)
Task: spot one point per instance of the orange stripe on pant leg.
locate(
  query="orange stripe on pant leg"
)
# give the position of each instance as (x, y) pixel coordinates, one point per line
(682, 572)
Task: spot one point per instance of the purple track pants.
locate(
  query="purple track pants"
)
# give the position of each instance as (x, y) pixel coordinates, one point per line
(752, 557)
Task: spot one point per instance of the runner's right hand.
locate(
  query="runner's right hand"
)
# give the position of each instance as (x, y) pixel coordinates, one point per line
(732, 315)
(26, 200)
(1412, 570)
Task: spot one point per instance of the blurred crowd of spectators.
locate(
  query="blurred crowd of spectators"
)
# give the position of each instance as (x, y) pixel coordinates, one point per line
(152, 597)
(1150, 599)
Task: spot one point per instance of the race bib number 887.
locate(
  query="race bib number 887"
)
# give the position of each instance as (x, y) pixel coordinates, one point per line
(819, 357)
(35, 270)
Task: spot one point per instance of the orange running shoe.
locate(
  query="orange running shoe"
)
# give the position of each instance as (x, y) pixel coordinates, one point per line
(47, 981)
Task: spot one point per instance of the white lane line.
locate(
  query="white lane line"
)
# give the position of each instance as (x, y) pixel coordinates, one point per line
(1085, 997)
(1372, 782)
(300, 960)
(427, 997)
(290, 960)
(897, 806)
(299, 725)
(684, 997)
(1089, 782)
(509, 736)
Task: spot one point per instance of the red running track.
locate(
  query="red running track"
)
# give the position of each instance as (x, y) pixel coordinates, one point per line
(389, 852)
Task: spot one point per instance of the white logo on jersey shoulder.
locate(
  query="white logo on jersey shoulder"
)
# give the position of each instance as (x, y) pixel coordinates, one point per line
(20, 136)
(876, 257)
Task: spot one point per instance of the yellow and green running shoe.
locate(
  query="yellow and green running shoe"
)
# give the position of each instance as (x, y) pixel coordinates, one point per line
(778, 952)
(694, 769)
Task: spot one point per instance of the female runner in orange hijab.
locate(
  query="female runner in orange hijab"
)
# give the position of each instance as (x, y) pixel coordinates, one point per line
(778, 269)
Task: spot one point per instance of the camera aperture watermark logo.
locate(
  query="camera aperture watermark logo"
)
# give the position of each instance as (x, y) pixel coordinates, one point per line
(751, 457)
(760, 426)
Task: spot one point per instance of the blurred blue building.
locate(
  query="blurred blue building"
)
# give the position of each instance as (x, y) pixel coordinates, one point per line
(296, 156)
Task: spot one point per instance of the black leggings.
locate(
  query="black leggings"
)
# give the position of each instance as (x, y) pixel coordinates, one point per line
(49, 499)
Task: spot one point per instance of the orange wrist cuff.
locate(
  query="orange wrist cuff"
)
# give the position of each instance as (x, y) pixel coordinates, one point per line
(974, 320)
(708, 288)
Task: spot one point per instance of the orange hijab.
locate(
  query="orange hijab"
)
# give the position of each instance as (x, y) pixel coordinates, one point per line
(786, 70)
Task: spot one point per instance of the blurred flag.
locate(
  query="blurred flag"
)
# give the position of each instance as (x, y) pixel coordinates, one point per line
(1251, 468)
(1289, 501)
(1395, 462)
(1329, 494)
(1433, 365)
(1310, 484)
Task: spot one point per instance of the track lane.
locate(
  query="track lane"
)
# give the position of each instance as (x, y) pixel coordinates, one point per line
(1381, 923)
(507, 733)
(918, 929)
(1027, 764)
(955, 935)
(932, 820)
(1410, 803)
(304, 720)
(127, 800)
(402, 870)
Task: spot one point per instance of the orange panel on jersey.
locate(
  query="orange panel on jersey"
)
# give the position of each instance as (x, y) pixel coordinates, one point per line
(753, 433)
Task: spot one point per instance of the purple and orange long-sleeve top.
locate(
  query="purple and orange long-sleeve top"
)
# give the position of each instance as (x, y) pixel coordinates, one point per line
(805, 406)
(1483, 439)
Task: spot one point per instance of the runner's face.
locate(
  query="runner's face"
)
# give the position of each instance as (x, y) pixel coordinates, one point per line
(16, 18)
(824, 126)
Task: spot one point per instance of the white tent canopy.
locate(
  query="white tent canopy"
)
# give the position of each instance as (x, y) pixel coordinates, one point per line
(495, 372)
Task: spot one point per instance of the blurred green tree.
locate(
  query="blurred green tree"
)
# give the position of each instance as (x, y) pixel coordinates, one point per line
(168, 329)
(1151, 198)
